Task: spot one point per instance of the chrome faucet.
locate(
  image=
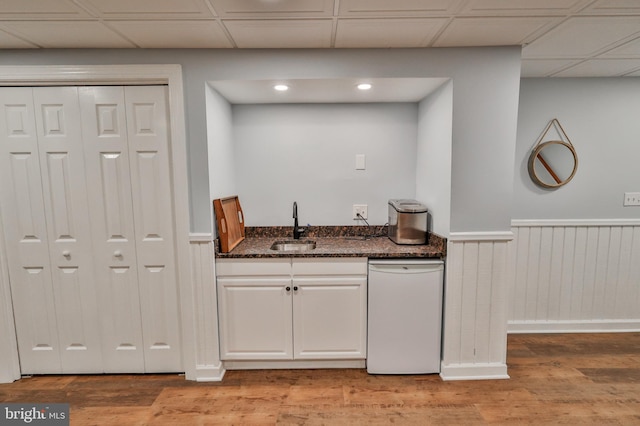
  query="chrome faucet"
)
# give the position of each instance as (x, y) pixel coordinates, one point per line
(297, 231)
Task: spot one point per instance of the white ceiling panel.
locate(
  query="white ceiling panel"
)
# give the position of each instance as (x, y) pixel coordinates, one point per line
(523, 7)
(600, 68)
(610, 7)
(627, 50)
(283, 33)
(335, 90)
(558, 36)
(7, 41)
(543, 67)
(492, 31)
(66, 34)
(175, 34)
(41, 9)
(582, 36)
(398, 7)
(398, 32)
(272, 8)
(148, 9)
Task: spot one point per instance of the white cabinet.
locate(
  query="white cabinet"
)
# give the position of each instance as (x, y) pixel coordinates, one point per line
(300, 309)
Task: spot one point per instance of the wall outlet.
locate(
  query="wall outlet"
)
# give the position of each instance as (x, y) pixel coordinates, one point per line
(630, 199)
(359, 208)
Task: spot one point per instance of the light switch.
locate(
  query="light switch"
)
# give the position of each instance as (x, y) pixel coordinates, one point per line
(360, 162)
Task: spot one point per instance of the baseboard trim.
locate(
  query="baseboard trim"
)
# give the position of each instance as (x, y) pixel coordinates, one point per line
(581, 326)
(209, 373)
(487, 371)
(278, 365)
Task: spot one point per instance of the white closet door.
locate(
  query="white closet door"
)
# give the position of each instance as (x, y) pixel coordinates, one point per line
(147, 130)
(104, 130)
(26, 237)
(67, 213)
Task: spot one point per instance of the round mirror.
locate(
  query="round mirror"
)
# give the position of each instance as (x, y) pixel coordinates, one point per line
(553, 164)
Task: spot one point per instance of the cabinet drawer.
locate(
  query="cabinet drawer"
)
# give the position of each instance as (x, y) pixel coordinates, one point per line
(253, 267)
(332, 266)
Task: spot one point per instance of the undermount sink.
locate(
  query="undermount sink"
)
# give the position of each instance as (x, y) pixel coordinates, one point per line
(293, 245)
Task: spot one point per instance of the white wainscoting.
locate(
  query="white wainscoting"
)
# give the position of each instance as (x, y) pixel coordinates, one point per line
(208, 364)
(475, 311)
(574, 276)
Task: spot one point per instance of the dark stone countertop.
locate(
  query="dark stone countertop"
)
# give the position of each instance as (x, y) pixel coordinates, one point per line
(334, 242)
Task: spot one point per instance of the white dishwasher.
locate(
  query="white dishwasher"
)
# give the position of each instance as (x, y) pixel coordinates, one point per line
(404, 326)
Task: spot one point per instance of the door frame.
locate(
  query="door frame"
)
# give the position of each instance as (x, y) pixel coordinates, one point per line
(122, 75)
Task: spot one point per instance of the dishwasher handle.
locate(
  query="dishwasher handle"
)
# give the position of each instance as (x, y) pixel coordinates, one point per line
(403, 268)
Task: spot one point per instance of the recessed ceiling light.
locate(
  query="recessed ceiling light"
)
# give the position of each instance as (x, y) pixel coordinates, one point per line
(281, 87)
(364, 86)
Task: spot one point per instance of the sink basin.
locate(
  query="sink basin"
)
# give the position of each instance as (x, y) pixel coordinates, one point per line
(293, 245)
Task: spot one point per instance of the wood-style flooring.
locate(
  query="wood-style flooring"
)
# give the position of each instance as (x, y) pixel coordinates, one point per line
(572, 379)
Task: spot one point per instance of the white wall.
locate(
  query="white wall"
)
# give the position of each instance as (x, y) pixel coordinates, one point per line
(306, 153)
(433, 159)
(222, 182)
(486, 82)
(601, 118)
(575, 260)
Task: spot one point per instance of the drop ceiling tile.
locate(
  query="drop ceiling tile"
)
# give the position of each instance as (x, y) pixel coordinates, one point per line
(8, 41)
(67, 34)
(281, 33)
(397, 7)
(601, 68)
(583, 36)
(523, 7)
(273, 8)
(392, 32)
(41, 9)
(148, 9)
(627, 50)
(610, 7)
(173, 34)
(543, 67)
(492, 31)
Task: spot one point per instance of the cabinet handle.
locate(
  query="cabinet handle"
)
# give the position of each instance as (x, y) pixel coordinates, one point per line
(295, 288)
(66, 253)
(117, 253)
(288, 288)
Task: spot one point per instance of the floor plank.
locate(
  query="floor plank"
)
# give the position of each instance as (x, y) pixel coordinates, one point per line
(573, 379)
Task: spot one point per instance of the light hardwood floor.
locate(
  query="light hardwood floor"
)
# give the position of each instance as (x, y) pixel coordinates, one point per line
(574, 379)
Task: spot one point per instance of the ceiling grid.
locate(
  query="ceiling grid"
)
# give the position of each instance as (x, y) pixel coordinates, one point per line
(563, 38)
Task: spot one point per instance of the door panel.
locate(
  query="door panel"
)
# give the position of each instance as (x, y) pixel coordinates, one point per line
(67, 213)
(86, 201)
(147, 132)
(107, 160)
(22, 204)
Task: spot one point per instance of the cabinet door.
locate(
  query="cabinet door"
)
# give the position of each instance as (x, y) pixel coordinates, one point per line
(330, 315)
(255, 318)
